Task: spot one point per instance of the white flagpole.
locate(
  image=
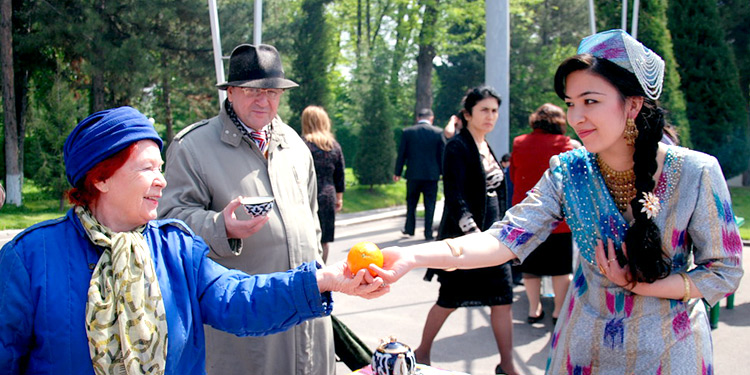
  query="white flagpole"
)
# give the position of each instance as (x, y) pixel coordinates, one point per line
(257, 21)
(634, 25)
(216, 38)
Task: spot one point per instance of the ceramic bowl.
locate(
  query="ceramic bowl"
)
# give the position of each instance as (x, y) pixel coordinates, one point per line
(257, 206)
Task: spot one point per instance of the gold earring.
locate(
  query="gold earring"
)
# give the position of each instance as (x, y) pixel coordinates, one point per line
(631, 132)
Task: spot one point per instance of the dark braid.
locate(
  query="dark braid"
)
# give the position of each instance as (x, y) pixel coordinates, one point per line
(646, 259)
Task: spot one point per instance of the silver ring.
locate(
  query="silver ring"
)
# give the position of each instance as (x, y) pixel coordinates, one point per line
(611, 260)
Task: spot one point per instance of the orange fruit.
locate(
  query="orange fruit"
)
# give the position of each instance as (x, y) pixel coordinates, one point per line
(362, 254)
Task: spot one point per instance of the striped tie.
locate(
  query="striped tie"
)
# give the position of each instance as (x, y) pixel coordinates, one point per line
(260, 139)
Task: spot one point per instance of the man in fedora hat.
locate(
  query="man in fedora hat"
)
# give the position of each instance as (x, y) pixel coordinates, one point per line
(247, 151)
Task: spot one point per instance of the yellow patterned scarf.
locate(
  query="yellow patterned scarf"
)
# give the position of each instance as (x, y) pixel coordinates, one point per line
(125, 319)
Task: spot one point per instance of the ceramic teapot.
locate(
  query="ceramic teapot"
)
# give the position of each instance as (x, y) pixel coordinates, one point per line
(393, 358)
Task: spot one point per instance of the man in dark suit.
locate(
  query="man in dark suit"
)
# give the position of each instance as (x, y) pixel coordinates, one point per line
(421, 149)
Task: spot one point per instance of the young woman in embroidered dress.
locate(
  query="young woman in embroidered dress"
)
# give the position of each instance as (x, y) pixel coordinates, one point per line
(653, 222)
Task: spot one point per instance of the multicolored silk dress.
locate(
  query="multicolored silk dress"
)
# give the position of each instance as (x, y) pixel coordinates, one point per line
(603, 328)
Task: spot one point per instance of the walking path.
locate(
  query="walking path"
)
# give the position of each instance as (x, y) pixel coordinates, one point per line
(465, 343)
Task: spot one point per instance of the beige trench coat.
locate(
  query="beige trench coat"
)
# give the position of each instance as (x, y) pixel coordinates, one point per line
(208, 165)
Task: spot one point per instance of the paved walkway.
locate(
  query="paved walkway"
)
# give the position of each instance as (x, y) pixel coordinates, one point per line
(466, 343)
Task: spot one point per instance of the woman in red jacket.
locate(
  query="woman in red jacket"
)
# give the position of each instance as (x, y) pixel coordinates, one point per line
(528, 161)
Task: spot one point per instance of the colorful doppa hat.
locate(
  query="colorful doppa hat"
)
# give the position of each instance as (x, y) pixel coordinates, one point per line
(624, 50)
(102, 135)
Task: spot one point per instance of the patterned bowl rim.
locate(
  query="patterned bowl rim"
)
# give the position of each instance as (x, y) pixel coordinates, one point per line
(254, 201)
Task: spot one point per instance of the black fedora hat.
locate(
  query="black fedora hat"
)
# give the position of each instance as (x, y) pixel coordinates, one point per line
(256, 66)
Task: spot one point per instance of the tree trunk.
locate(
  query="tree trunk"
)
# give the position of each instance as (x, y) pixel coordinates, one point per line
(167, 98)
(13, 169)
(359, 30)
(367, 23)
(426, 54)
(399, 50)
(98, 102)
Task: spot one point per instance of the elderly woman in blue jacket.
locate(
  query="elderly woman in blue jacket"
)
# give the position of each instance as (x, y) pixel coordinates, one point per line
(107, 289)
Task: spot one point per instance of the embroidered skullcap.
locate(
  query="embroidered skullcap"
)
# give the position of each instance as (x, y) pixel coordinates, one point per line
(624, 50)
(102, 135)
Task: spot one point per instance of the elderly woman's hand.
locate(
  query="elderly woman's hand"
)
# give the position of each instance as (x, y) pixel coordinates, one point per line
(240, 228)
(338, 278)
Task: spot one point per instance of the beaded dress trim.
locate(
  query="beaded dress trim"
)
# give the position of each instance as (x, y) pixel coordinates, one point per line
(589, 208)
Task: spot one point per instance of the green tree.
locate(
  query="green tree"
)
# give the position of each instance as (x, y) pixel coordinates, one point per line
(313, 60)
(377, 150)
(716, 110)
(735, 15)
(56, 108)
(655, 34)
(543, 34)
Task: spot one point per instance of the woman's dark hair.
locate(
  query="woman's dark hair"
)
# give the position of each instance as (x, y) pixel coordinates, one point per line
(474, 96)
(646, 258)
(548, 118)
(87, 194)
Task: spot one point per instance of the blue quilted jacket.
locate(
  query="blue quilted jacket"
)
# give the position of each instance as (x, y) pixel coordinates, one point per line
(44, 279)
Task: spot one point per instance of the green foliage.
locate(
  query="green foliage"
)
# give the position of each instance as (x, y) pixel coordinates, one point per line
(377, 151)
(716, 111)
(312, 62)
(460, 56)
(654, 33)
(735, 16)
(55, 110)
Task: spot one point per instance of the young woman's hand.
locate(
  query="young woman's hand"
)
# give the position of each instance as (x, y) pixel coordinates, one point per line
(608, 265)
(397, 262)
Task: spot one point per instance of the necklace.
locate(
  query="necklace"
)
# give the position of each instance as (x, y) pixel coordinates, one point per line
(621, 184)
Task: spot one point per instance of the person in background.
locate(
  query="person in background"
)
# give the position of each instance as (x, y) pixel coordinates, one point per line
(453, 127)
(107, 290)
(472, 179)
(2, 196)
(329, 168)
(421, 151)
(554, 256)
(653, 223)
(505, 163)
(506, 191)
(248, 151)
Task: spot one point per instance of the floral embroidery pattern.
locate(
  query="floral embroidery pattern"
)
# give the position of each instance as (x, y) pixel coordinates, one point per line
(514, 235)
(578, 369)
(678, 240)
(579, 283)
(681, 325)
(618, 305)
(730, 237)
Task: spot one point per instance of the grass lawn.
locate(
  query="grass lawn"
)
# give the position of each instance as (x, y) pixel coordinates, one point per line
(741, 206)
(38, 207)
(359, 198)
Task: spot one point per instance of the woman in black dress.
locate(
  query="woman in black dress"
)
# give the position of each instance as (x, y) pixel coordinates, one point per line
(329, 167)
(471, 179)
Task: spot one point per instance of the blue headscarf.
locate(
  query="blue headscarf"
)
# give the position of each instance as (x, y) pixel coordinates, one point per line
(102, 135)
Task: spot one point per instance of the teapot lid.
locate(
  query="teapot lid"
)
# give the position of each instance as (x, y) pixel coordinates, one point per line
(393, 346)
